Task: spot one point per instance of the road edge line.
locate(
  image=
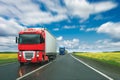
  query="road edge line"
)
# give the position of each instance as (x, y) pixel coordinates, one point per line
(106, 76)
(33, 71)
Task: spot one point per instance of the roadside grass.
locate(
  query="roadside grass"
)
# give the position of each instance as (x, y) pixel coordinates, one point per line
(7, 57)
(112, 58)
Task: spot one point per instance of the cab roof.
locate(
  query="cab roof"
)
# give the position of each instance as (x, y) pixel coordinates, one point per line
(32, 30)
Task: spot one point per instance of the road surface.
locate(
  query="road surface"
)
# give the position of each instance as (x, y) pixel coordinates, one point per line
(62, 68)
(14, 70)
(65, 68)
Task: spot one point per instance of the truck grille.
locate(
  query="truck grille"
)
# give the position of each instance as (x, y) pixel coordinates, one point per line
(28, 54)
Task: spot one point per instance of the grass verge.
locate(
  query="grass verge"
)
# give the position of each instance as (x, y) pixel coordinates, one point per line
(8, 58)
(112, 58)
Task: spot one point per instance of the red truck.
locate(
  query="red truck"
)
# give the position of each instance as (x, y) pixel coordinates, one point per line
(35, 45)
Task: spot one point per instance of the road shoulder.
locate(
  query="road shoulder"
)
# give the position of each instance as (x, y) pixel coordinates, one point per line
(110, 70)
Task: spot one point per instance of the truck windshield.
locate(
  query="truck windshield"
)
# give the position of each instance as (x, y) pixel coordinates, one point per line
(29, 38)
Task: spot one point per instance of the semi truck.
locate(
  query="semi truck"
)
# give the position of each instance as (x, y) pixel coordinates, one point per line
(62, 50)
(36, 46)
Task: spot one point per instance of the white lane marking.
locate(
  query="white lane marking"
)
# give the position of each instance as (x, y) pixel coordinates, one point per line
(33, 71)
(109, 78)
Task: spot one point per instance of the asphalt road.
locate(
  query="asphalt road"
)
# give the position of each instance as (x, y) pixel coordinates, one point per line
(65, 68)
(14, 70)
(62, 68)
(9, 72)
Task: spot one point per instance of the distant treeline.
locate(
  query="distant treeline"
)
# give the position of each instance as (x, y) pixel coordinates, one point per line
(98, 52)
(111, 51)
(79, 52)
(8, 52)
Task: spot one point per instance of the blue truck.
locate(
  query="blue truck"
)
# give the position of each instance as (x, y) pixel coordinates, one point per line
(62, 51)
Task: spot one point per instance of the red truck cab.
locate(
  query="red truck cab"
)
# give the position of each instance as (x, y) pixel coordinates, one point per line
(31, 46)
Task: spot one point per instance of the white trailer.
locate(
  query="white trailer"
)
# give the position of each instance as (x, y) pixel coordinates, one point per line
(50, 45)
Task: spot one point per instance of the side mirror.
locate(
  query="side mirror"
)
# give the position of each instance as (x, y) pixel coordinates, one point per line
(16, 39)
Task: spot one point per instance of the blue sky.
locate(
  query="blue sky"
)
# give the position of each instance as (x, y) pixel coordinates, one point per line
(79, 25)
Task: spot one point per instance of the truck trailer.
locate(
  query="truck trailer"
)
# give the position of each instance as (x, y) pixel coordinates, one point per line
(36, 46)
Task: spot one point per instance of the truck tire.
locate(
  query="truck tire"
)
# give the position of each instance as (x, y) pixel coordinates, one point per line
(52, 57)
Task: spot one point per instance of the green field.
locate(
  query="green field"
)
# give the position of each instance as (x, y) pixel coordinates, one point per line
(7, 57)
(112, 58)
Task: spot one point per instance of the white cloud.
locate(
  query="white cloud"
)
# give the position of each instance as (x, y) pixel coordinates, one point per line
(82, 28)
(28, 12)
(108, 44)
(54, 5)
(99, 45)
(9, 27)
(98, 17)
(60, 38)
(79, 8)
(8, 30)
(91, 29)
(69, 27)
(103, 6)
(56, 29)
(8, 44)
(84, 9)
(69, 44)
(85, 47)
(110, 28)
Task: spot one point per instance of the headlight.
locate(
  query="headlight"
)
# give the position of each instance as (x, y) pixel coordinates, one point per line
(37, 53)
(20, 53)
